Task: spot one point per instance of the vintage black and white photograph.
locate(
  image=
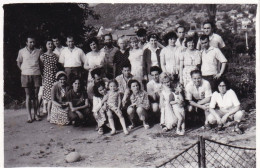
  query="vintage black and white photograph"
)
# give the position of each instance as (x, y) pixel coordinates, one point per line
(130, 85)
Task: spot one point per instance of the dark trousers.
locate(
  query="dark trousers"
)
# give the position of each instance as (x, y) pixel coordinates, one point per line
(73, 72)
(211, 80)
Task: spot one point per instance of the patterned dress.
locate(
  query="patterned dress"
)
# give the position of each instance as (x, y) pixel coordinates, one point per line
(50, 63)
(112, 102)
(190, 62)
(140, 99)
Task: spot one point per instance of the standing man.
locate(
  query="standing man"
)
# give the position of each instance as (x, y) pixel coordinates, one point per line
(110, 51)
(210, 58)
(72, 59)
(58, 48)
(180, 42)
(215, 40)
(28, 63)
(198, 92)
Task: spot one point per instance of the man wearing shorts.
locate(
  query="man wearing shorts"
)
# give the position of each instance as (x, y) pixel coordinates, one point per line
(28, 63)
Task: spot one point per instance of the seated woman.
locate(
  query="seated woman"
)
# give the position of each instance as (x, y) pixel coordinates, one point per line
(224, 104)
(60, 106)
(139, 103)
(78, 102)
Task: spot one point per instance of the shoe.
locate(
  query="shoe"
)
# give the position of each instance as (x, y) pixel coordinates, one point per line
(165, 129)
(100, 131)
(113, 132)
(146, 126)
(29, 121)
(219, 127)
(178, 132)
(126, 132)
(238, 130)
(37, 118)
(131, 126)
(207, 127)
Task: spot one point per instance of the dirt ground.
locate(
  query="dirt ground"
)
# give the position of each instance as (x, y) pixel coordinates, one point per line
(44, 144)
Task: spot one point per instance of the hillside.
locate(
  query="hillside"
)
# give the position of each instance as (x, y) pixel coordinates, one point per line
(115, 15)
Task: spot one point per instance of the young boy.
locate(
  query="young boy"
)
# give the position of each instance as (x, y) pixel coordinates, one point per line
(124, 77)
(121, 56)
(154, 87)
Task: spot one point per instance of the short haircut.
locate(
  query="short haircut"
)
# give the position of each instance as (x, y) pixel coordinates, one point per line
(96, 86)
(222, 79)
(133, 39)
(70, 37)
(133, 81)
(91, 40)
(141, 32)
(32, 36)
(126, 65)
(208, 22)
(180, 27)
(156, 68)
(56, 37)
(121, 38)
(195, 72)
(152, 35)
(108, 34)
(190, 39)
(74, 78)
(113, 81)
(96, 71)
(170, 35)
(204, 37)
(61, 75)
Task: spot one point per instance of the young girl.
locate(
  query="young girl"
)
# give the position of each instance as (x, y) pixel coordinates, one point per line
(136, 59)
(99, 109)
(178, 109)
(139, 103)
(113, 101)
(168, 118)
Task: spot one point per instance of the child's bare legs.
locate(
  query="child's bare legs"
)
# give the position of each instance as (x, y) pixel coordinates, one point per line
(142, 113)
(180, 124)
(130, 112)
(111, 122)
(49, 104)
(155, 107)
(122, 121)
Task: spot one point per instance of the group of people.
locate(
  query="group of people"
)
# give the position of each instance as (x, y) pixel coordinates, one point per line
(140, 79)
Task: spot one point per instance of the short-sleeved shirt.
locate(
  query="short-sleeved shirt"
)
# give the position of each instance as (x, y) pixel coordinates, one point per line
(215, 40)
(110, 53)
(76, 99)
(209, 61)
(57, 51)
(228, 100)
(93, 60)
(74, 58)
(120, 59)
(153, 87)
(141, 100)
(29, 61)
(203, 91)
(122, 83)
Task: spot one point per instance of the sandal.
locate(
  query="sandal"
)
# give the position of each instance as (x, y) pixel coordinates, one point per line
(37, 118)
(165, 129)
(146, 126)
(131, 126)
(207, 127)
(100, 131)
(29, 121)
(238, 130)
(113, 132)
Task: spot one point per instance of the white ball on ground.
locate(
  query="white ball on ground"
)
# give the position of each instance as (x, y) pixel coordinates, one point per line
(73, 157)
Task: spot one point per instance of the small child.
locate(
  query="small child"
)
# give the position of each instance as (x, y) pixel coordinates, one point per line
(113, 101)
(178, 109)
(168, 118)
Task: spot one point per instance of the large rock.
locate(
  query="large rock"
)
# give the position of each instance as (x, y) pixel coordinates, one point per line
(73, 157)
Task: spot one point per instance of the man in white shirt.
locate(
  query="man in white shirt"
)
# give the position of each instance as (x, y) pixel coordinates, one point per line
(198, 93)
(181, 37)
(215, 40)
(210, 58)
(72, 59)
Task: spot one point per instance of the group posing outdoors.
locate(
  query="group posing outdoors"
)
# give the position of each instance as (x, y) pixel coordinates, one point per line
(140, 81)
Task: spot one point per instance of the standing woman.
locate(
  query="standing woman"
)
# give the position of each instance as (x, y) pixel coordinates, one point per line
(60, 106)
(95, 58)
(169, 56)
(151, 55)
(190, 60)
(50, 63)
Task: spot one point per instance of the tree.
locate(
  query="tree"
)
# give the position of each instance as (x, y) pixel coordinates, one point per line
(212, 9)
(40, 19)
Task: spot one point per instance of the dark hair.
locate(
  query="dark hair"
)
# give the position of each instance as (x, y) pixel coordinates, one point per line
(170, 35)
(156, 68)
(204, 37)
(112, 81)
(70, 37)
(180, 27)
(96, 86)
(56, 37)
(133, 81)
(152, 35)
(45, 42)
(195, 72)
(91, 40)
(126, 65)
(222, 79)
(141, 32)
(74, 78)
(96, 71)
(211, 24)
(61, 75)
(188, 39)
(108, 34)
